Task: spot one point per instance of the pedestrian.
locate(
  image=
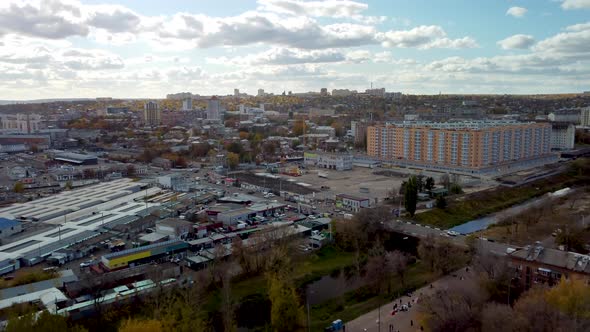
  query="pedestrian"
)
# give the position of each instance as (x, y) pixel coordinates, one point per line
(421, 328)
(411, 322)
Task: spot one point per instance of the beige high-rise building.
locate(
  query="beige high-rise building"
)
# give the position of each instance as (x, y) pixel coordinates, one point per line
(151, 114)
(467, 146)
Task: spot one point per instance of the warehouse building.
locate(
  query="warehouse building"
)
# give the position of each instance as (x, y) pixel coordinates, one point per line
(76, 158)
(141, 255)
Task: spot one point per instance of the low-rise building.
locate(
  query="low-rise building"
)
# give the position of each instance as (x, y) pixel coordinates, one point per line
(174, 228)
(9, 227)
(334, 161)
(538, 265)
(353, 203)
(328, 130)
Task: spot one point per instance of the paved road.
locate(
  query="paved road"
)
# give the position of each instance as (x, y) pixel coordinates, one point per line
(422, 231)
(401, 321)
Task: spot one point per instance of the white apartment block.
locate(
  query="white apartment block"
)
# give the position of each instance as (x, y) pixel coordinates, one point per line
(563, 136)
(21, 123)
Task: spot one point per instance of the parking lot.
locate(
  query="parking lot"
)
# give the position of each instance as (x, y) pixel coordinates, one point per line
(358, 181)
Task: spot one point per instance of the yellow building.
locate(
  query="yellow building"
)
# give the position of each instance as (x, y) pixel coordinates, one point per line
(468, 146)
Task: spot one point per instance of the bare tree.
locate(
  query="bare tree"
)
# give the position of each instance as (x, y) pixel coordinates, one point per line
(499, 317)
(227, 305)
(457, 308)
(398, 262)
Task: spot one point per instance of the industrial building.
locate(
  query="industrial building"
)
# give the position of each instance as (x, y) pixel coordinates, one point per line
(78, 215)
(466, 146)
(9, 227)
(76, 158)
(131, 257)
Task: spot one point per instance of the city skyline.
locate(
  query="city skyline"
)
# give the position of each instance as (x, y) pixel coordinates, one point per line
(72, 49)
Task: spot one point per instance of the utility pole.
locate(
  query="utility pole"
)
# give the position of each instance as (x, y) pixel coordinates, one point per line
(379, 317)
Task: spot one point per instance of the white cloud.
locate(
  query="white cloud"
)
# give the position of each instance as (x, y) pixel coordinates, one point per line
(517, 12)
(424, 37)
(49, 19)
(575, 4)
(519, 41)
(328, 8)
(113, 18)
(283, 56)
(575, 41)
(254, 27)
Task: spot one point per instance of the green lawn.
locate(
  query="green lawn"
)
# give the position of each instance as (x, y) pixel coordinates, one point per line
(480, 204)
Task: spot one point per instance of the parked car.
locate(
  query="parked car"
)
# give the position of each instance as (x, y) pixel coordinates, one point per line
(86, 264)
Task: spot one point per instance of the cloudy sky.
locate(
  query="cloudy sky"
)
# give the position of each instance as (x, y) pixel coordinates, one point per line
(148, 48)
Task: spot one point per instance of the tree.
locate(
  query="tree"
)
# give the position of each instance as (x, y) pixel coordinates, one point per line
(499, 317)
(44, 322)
(455, 308)
(235, 147)
(299, 127)
(440, 254)
(420, 183)
(402, 188)
(19, 187)
(441, 202)
(411, 195)
(572, 238)
(68, 185)
(427, 251)
(398, 262)
(378, 273)
(572, 297)
(233, 160)
(269, 148)
(429, 185)
(535, 314)
(286, 313)
(134, 325)
(455, 189)
(445, 180)
(227, 306)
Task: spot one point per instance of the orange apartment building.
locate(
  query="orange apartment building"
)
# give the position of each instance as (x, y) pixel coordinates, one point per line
(469, 146)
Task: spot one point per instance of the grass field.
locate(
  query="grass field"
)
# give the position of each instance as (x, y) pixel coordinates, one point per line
(466, 208)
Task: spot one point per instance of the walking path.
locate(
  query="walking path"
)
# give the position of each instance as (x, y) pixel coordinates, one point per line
(403, 321)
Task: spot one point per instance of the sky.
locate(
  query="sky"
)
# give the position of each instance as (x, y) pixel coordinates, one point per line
(149, 48)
